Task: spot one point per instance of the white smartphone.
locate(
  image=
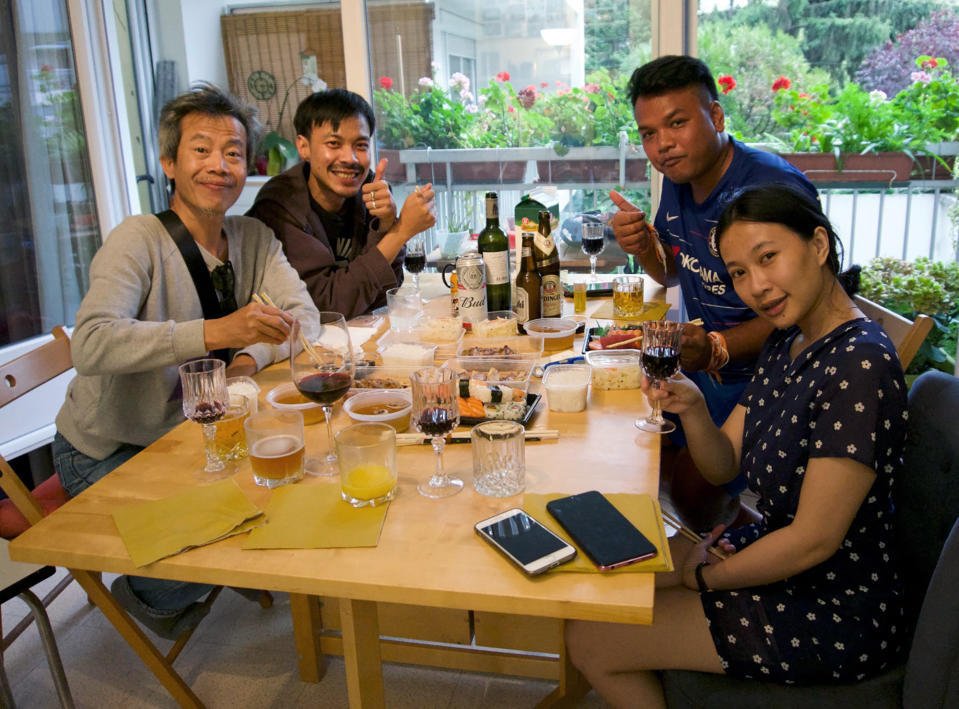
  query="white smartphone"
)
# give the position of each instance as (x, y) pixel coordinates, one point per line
(524, 541)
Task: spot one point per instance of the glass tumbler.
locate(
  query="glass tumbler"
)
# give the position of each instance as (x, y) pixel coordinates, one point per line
(499, 458)
(367, 453)
(627, 296)
(275, 444)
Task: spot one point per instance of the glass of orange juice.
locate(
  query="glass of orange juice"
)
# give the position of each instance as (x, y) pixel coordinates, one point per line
(367, 454)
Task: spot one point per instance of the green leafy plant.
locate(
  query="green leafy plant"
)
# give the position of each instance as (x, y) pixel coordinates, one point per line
(920, 286)
(280, 152)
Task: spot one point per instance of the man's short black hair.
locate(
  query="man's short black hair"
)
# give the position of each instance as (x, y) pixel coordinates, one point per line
(333, 105)
(669, 73)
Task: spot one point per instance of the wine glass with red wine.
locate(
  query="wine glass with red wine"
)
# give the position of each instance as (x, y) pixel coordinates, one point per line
(593, 242)
(436, 413)
(660, 359)
(415, 260)
(323, 372)
(205, 400)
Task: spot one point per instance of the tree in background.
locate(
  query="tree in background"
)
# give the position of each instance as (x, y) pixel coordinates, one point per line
(755, 57)
(836, 35)
(618, 35)
(890, 68)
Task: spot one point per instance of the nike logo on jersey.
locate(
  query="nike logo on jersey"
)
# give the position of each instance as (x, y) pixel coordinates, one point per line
(671, 217)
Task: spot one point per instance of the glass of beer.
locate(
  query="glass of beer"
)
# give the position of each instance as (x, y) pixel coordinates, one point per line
(230, 437)
(275, 444)
(367, 453)
(627, 296)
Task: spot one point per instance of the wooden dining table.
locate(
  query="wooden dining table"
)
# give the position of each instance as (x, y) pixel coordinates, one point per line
(428, 559)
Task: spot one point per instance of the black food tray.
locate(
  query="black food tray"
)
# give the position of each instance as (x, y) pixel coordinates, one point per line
(532, 400)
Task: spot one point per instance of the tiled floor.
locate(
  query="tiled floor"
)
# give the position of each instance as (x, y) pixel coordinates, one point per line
(241, 656)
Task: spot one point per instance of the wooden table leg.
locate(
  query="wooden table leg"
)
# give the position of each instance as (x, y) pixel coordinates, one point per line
(307, 625)
(361, 653)
(136, 638)
(572, 684)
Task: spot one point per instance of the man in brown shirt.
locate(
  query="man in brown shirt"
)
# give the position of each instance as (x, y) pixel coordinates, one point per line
(336, 221)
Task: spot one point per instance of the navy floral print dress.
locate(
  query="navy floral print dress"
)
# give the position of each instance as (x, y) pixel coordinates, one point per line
(842, 397)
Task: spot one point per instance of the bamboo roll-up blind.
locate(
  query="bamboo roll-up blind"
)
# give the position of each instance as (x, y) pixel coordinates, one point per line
(263, 53)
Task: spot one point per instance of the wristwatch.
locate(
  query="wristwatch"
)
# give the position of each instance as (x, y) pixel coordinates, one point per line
(700, 581)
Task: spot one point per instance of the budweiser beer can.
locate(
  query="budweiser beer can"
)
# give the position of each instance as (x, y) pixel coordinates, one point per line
(471, 288)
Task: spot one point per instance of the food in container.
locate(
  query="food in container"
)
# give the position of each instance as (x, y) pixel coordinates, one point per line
(382, 377)
(518, 346)
(567, 386)
(492, 388)
(615, 369)
(600, 338)
(285, 397)
(556, 333)
(440, 330)
(243, 387)
(498, 323)
(405, 352)
(389, 407)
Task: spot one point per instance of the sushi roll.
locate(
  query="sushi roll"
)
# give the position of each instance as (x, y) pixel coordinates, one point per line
(490, 393)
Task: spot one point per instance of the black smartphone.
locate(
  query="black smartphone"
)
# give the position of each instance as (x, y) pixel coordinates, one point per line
(602, 532)
(602, 289)
(524, 541)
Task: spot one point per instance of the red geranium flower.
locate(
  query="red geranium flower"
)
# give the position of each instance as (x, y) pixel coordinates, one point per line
(591, 88)
(511, 109)
(726, 83)
(503, 76)
(931, 63)
(543, 84)
(781, 83)
(804, 96)
(386, 82)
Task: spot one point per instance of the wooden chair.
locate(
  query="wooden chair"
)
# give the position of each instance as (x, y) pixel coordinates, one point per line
(905, 334)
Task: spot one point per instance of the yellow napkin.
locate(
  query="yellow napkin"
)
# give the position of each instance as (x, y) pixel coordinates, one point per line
(642, 510)
(316, 517)
(652, 310)
(161, 528)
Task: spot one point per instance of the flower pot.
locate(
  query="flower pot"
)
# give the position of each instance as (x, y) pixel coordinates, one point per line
(589, 170)
(872, 167)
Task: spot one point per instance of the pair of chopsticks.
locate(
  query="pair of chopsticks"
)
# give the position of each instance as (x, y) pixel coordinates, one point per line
(410, 439)
(691, 535)
(697, 321)
(265, 299)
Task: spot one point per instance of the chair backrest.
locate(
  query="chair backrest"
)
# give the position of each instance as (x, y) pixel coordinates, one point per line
(905, 334)
(927, 488)
(17, 377)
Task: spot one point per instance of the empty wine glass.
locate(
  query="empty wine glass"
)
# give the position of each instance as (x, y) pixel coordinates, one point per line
(593, 242)
(323, 372)
(436, 412)
(660, 357)
(205, 400)
(415, 260)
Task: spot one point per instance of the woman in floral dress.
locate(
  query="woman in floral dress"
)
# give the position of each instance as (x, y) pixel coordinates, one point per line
(810, 593)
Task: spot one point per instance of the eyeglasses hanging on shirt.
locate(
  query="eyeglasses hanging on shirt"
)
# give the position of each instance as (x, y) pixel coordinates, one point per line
(224, 281)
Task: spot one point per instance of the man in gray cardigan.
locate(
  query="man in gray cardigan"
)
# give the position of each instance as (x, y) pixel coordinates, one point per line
(337, 222)
(142, 317)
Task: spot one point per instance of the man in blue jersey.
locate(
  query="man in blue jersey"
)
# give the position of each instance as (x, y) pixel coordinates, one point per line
(682, 128)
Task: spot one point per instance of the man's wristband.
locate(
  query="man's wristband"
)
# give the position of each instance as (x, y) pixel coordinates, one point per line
(700, 581)
(720, 352)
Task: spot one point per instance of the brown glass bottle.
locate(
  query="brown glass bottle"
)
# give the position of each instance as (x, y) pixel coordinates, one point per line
(547, 265)
(527, 305)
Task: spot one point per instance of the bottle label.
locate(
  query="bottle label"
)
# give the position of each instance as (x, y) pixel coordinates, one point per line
(497, 267)
(551, 297)
(526, 251)
(544, 243)
(521, 305)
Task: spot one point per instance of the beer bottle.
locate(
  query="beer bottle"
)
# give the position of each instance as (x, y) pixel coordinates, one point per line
(526, 306)
(547, 265)
(494, 247)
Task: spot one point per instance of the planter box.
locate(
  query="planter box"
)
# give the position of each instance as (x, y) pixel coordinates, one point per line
(872, 167)
(589, 170)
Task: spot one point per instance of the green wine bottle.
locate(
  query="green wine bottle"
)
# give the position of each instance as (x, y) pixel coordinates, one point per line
(494, 247)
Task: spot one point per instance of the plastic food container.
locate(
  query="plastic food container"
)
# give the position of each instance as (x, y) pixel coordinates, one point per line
(615, 369)
(382, 377)
(556, 333)
(511, 372)
(244, 386)
(405, 351)
(381, 406)
(567, 386)
(285, 397)
(516, 347)
(498, 323)
(446, 332)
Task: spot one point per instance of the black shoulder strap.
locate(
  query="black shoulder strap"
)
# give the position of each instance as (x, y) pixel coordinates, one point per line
(197, 268)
